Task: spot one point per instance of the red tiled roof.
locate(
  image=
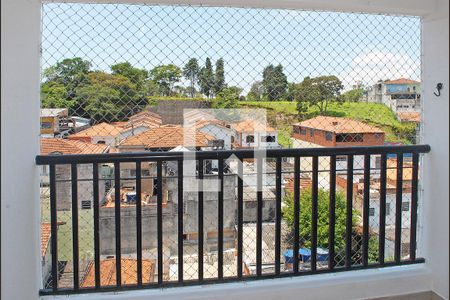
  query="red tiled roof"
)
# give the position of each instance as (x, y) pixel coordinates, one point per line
(166, 137)
(401, 81)
(102, 129)
(65, 146)
(45, 237)
(128, 272)
(252, 126)
(305, 183)
(144, 118)
(339, 125)
(409, 116)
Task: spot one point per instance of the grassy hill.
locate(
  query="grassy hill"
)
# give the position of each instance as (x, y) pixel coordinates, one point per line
(375, 114)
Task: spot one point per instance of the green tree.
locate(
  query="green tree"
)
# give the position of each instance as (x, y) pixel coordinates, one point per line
(354, 95)
(192, 71)
(123, 97)
(219, 81)
(227, 98)
(166, 76)
(206, 79)
(256, 91)
(319, 92)
(70, 72)
(274, 82)
(305, 225)
(54, 95)
(136, 76)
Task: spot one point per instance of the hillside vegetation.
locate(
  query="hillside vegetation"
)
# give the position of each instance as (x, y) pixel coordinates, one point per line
(376, 114)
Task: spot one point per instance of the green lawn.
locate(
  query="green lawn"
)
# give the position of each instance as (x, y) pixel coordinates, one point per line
(373, 113)
(85, 232)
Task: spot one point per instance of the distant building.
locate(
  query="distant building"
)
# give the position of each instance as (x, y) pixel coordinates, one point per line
(325, 131)
(399, 95)
(57, 146)
(411, 117)
(102, 133)
(50, 120)
(255, 134)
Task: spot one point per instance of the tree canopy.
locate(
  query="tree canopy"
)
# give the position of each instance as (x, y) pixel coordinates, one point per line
(206, 79)
(192, 71)
(318, 91)
(274, 82)
(166, 76)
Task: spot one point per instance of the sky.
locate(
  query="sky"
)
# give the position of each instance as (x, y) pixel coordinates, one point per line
(354, 47)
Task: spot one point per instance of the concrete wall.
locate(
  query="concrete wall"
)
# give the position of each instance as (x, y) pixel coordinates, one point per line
(171, 111)
(170, 218)
(85, 188)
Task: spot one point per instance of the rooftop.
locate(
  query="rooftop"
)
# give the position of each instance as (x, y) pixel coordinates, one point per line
(166, 137)
(65, 146)
(249, 126)
(401, 81)
(53, 112)
(339, 125)
(101, 129)
(45, 237)
(128, 272)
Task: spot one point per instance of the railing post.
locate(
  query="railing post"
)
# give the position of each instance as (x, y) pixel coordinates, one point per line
(139, 222)
(332, 212)
(117, 207)
(349, 213)
(53, 227)
(96, 205)
(296, 212)
(366, 203)
(398, 208)
(75, 250)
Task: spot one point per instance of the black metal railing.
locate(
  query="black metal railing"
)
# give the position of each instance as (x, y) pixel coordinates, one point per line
(279, 156)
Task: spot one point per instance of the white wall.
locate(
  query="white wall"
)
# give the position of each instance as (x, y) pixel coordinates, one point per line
(20, 109)
(20, 208)
(435, 217)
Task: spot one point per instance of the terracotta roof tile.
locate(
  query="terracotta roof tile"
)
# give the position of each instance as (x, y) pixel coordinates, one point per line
(401, 81)
(305, 183)
(252, 126)
(65, 146)
(128, 272)
(45, 237)
(166, 137)
(102, 129)
(144, 118)
(339, 125)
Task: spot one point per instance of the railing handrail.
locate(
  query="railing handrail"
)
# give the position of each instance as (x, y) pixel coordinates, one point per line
(223, 154)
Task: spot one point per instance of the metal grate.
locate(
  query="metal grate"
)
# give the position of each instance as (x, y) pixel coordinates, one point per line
(128, 78)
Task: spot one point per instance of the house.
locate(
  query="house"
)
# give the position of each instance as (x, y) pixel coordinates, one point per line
(139, 123)
(224, 136)
(323, 131)
(164, 138)
(255, 134)
(399, 95)
(57, 146)
(50, 120)
(102, 133)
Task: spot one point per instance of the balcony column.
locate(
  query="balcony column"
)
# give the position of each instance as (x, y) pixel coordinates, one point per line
(20, 64)
(435, 174)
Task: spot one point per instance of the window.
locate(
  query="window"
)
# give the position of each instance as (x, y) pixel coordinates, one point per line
(311, 132)
(302, 131)
(341, 158)
(101, 142)
(46, 125)
(388, 209)
(268, 139)
(349, 138)
(86, 204)
(250, 139)
(328, 136)
(405, 206)
(371, 211)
